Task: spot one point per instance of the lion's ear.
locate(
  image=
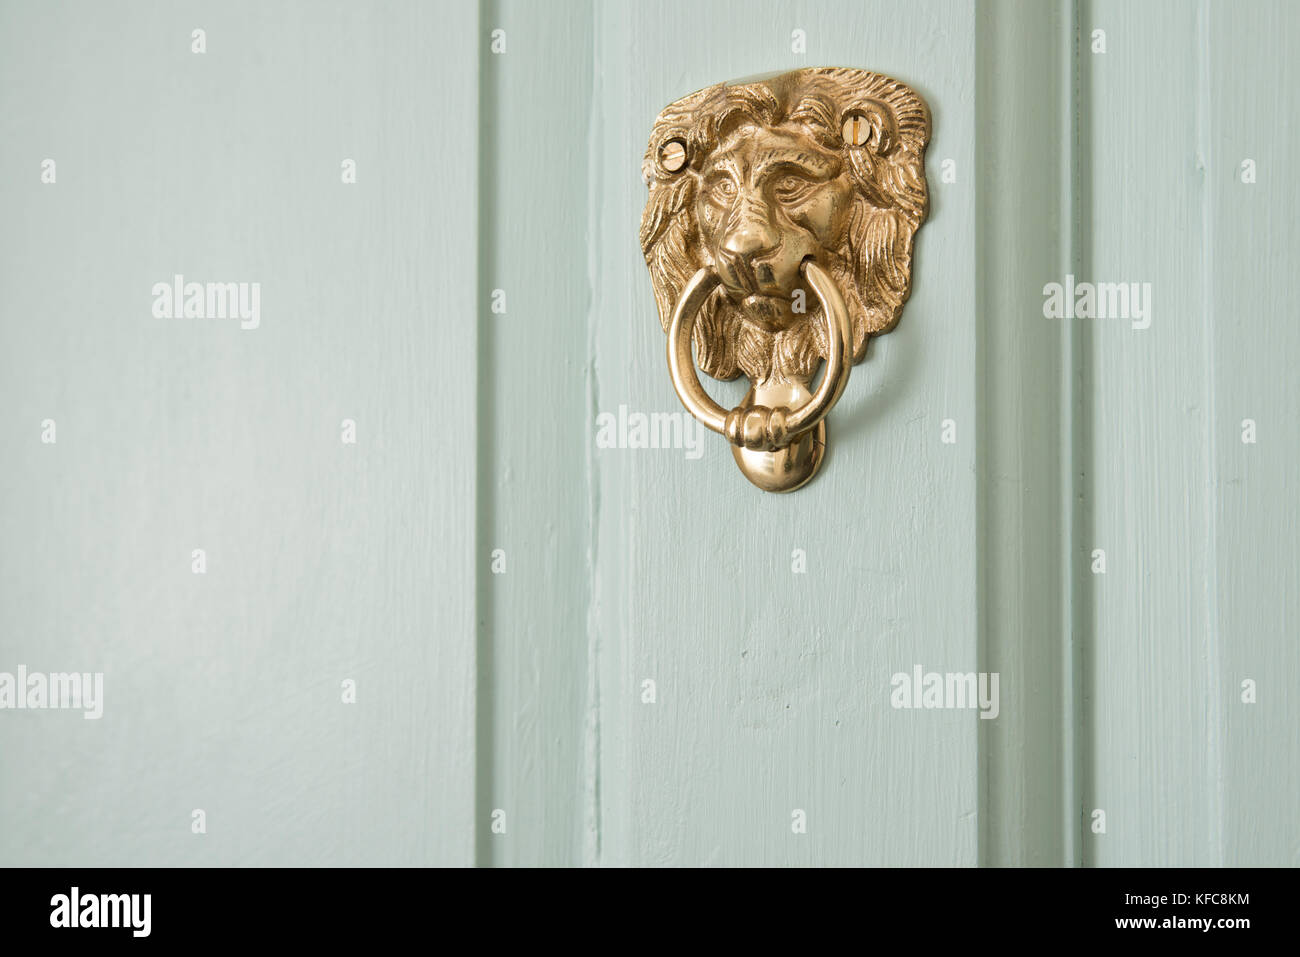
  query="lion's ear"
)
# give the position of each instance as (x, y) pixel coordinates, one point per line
(870, 125)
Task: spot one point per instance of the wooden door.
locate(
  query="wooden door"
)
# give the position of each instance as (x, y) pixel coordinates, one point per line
(439, 620)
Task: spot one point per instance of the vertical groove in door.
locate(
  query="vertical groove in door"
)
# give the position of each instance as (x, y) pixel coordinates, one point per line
(1078, 428)
(533, 444)
(591, 741)
(485, 465)
(1213, 648)
(1025, 123)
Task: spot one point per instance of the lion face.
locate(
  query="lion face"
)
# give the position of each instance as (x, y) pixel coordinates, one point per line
(749, 180)
(767, 200)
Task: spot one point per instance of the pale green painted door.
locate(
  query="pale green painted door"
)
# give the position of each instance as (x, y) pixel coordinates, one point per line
(476, 634)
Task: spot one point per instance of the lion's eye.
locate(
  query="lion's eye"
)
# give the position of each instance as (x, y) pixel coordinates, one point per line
(792, 189)
(722, 190)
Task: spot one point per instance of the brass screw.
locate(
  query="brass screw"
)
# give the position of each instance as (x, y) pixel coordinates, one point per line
(672, 155)
(856, 129)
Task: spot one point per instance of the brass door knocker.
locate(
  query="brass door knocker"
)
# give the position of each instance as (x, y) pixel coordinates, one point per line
(778, 233)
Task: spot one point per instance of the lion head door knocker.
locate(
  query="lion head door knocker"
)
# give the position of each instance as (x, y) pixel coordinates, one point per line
(778, 233)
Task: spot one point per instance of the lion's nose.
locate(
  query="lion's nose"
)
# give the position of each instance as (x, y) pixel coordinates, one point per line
(752, 232)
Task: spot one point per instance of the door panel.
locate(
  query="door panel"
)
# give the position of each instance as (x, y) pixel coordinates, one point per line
(1148, 668)
(1199, 594)
(772, 686)
(324, 562)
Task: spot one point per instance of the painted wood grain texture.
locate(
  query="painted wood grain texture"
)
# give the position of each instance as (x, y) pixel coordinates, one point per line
(325, 561)
(1252, 239)
(1149, 671)
(1199, 528)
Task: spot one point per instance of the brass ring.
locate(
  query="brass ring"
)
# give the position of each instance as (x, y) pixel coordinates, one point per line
(782, 425)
